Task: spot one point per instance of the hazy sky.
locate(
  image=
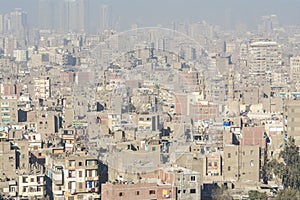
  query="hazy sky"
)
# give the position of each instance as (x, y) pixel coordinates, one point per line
(153, 12)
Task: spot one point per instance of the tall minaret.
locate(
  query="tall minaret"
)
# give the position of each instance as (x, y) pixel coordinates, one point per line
(233, 105)
(230, 88)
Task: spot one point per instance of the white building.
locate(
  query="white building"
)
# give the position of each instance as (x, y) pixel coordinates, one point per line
(264, 58)
(21, 55)
(42, 88)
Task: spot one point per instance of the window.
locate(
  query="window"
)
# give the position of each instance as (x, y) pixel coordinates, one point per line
(80, 174)
(184, 191)
(209, 164)
(12, 189)
(215, 164)
(89, 173)
(152, 192)
(79, 163)
(72, 174)
(72, 163)
(32, 180)
(179, 191)
(251, 163)
(153, 148)
(192, 191)
(137, 193)
(121, 194)
(229, 155)
(229, 168)
(193, 178)
(24, 179)
(69, 185)
(80, 185)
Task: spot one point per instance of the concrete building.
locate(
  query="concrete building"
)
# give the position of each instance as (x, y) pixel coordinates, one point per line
(292, 119)
(185, 180)
(22, 158)
(21, 55)
(81, 177)
(72, 176)
(242, 158)
(9, 111)
(241, 163)
(137, 191)
(42, 88)
(148, 123)
(32, 185)
(193, 106)
(295, 70)
(264, 57)
(7, 160)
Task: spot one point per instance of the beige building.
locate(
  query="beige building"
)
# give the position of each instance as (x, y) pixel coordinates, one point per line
(23, 155)
(9, 111)
(295, 68)
(7, 160)
(185, 180)
(242, 159)
(42, 88)
(263, 58)
(72, 176)
(47, 123)
(292, 119)
(32, 185)
(81, 177)
(138, 191)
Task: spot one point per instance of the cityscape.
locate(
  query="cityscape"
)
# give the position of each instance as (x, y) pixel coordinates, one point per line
(133, 100)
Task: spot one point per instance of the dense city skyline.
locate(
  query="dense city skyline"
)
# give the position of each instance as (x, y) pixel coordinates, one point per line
(151, 13)
(149, 100)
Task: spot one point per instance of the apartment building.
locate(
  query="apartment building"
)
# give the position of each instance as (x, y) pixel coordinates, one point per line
(138, 191)
(32, 185)
(292, 119)
(9, 111)
(42, 88)
(186, 181)
(72, 176)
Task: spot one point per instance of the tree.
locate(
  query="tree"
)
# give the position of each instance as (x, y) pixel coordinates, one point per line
(256, 195)
(291, 157)
(289, 170)
(221, 194)
(290, 194)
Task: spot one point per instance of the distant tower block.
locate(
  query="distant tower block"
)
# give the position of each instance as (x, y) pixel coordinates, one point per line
(105, 17)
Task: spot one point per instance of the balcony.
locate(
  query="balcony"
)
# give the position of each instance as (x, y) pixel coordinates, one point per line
(92, 190)
(72, 191)
(68, 137)
(57, 177)
(71, 164)
(13, 194)
(92, 178)
(91, 164)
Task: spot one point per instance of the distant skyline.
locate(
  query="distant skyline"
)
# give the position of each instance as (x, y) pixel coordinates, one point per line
(226, 13)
